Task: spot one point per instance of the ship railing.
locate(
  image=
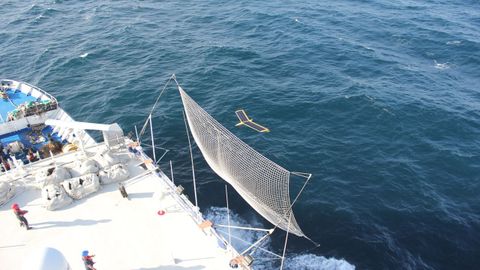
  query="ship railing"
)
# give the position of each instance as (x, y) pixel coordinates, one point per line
(19, 124)
(184, 202)
(20, 169)
(32, 88)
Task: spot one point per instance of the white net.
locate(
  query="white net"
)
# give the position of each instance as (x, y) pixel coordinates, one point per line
(261, 182)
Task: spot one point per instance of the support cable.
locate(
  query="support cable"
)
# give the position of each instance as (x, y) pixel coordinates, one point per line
(191, 158)
(254, 245)
(246, 242)
(153, 141)
(308, 176)
(155, 105)
(286, 240)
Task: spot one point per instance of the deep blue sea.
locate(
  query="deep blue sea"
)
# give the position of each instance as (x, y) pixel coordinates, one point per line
(379, 100)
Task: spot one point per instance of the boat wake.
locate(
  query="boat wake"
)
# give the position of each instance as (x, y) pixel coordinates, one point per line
(241, 238)
(312, 261)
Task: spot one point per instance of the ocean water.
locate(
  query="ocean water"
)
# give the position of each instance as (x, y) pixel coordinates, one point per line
(380, 100)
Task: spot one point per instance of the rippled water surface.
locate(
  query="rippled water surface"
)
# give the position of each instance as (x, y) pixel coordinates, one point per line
(380, 100)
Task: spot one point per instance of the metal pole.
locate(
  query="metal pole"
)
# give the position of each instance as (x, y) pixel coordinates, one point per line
(244, 228)
(136, 132)
(246, 242)
(77, 132)
(255, 244)
(53, 158)
(286, 240)
(164, 153)
(153, 142)
(228, 216)
(171, 172)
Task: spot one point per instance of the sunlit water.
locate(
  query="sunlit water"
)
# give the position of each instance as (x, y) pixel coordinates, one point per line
(379, 100)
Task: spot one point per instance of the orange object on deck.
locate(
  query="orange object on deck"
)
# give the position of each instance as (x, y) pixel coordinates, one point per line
(205, 224)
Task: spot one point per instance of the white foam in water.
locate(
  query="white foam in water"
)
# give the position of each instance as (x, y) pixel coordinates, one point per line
(441, 65)
(218, 215)
(311, 261)
(454, 42)
(84, 55)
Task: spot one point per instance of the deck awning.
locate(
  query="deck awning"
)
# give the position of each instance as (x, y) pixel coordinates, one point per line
(83, 125)
(112, 133)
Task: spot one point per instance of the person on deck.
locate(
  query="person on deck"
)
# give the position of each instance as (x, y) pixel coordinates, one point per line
(31, 156)
(4, 94)
(122, 189)
(5, 152)
(5, 165)
(19, 213)
(87, 260)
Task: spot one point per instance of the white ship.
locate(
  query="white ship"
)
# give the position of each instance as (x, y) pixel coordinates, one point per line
(113, 200)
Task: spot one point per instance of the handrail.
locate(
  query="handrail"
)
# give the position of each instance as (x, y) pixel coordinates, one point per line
(185, 203)
(33, 87)
(39, 89)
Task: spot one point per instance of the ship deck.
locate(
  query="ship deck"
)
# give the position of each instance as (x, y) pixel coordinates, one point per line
(15, 98)
(30, 139)
(122, 233)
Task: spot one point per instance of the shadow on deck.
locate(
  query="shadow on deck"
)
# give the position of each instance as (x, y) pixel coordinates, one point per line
(77, 222)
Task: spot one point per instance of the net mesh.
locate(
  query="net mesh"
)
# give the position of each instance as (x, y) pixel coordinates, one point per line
(261, 182)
